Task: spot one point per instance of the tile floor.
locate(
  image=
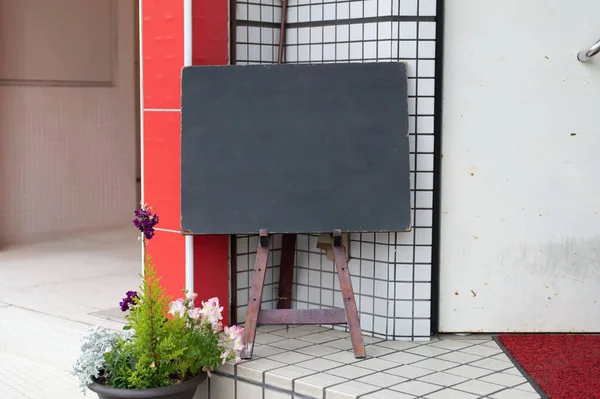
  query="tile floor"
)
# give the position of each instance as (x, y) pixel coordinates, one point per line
(309, 361)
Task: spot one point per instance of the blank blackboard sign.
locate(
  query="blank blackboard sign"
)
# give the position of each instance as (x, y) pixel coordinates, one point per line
(295, 148)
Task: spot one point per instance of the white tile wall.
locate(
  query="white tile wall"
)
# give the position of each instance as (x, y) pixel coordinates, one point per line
(391, 273)
(246, 247)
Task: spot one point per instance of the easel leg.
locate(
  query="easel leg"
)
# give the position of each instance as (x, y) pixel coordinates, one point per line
(348, 295)
(258, 281)
(286, 271)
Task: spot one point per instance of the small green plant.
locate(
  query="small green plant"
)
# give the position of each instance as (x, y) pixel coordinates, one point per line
(118, 363)
(165, 342)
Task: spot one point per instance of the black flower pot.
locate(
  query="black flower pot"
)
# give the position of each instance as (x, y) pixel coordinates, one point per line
(184, 390)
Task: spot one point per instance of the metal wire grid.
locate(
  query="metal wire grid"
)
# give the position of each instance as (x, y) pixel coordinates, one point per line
(391, 273)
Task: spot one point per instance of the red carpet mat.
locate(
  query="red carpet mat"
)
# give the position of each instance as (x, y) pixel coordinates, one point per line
(564, 366)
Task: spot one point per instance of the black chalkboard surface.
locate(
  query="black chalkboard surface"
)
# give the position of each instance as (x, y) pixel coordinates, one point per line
(295, 148)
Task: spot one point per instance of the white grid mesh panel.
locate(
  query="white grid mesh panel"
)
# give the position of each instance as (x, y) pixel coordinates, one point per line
(391, 273)
(246, 246)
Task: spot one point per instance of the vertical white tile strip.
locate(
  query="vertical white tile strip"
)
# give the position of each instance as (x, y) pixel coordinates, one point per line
(187, 61)
(189, 263)
(187, 32)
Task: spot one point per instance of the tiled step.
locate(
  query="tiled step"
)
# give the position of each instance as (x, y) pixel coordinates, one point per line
(225, 387)
(312, 362)
(304, 362)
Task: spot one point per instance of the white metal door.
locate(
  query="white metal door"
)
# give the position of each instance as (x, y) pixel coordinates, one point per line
(520, 223)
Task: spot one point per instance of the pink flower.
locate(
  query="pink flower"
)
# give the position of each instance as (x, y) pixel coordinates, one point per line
(234, 340)
(212, 311)
(217, 327)
(224, 356)
(191, 297)
(238, 346)
(195, 313)
(177, 307)
(234, 332)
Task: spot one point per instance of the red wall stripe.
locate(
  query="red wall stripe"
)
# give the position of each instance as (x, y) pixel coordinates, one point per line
(210, 32)
(162, 52)
(167, 250)
(211, 269)
(162, 166)
(210, 37)
(162, 59)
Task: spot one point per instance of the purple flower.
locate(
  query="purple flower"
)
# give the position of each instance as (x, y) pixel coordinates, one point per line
(128, 300)
(145, 221)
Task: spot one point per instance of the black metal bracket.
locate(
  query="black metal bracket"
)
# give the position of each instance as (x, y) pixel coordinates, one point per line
(337, 238)
(264, 238)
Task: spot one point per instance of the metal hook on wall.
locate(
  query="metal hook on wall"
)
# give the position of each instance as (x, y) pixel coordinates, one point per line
(586, 55)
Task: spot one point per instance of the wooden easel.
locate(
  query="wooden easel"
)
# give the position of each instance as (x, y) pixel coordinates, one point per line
(256, 316)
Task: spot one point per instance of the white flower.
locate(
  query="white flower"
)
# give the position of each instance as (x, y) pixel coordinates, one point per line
(177, 307)
(232, 342)
(234, 332)
(191, 297)
(217, 327)
(212, 311)
(195, 313)
(238, 345)
(225, 355)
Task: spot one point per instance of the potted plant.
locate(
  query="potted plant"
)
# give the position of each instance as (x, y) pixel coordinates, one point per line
(166, 349)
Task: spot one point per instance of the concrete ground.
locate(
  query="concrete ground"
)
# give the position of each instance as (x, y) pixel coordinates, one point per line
(21, 378)
(50, 293)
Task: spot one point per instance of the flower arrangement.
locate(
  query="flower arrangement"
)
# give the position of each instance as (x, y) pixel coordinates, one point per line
(164, 342)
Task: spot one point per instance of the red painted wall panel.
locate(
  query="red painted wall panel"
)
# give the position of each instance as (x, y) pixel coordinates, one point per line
(162, 52)
(211, 269)
(168, 255)
(210, 38)
(162, 60)
(210, 32)
(162, 173)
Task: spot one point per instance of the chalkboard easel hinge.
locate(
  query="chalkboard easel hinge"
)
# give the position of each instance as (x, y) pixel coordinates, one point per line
(264, 238)
(337, 238)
